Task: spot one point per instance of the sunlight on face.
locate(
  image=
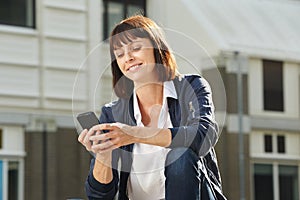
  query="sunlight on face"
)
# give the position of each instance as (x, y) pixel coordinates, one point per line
(136, 60)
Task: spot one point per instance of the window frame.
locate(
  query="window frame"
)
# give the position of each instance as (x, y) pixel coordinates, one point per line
(253, 177)
(291, 157)
(268, 93)
(275, 169)
(33, 4)
(291, 144)
(290, 90)
(268, 143)
(281, 144)
(125, 4)
(5, 171)
(9, 153)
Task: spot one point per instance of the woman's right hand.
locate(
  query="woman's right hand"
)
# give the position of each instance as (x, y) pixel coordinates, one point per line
(85, 139)
(102, 168)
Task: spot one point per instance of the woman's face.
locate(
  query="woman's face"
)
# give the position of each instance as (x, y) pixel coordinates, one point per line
(136, 60)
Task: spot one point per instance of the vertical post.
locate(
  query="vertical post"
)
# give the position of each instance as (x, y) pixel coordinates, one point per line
(240, 125)
(43, 125)
(44, 160)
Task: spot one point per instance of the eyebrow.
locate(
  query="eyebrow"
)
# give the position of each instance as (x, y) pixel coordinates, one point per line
(130, 43)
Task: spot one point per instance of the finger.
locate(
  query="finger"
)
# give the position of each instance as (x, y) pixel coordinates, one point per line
(107, 127)
(97, 133)
(82, 135)
(99, 137)
(118, 125)
(102, 146)
(86, 141)
(106, 136)
(91, 132)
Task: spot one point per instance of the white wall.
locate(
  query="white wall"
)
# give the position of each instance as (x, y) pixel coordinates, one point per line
(292, 142)
(290, 89)
(38, 66)
(12, 141)
(191, 44)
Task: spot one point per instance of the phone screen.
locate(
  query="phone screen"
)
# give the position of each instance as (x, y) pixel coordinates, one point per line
(87, 120)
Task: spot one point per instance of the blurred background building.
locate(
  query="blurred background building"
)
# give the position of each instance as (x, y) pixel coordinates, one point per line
(45, 79)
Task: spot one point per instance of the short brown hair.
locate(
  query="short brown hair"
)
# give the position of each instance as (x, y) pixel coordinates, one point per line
(140, 27)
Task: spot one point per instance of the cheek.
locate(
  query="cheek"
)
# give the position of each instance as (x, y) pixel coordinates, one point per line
(151, 60)
(148, 56)
(120, 66)
(151, 56)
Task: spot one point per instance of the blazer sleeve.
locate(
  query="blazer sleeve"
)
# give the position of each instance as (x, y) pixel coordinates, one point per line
(94, 189)
(198, 130)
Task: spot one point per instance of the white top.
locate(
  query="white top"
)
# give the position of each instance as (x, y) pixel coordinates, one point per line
(147, 180)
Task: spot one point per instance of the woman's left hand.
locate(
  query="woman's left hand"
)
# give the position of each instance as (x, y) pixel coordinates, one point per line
(117, 135)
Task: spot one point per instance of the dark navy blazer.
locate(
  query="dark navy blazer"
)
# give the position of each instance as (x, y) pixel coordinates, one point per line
(194, 127)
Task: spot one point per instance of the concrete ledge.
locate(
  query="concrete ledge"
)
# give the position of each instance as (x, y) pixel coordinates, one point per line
(275, 124)
(64, 121)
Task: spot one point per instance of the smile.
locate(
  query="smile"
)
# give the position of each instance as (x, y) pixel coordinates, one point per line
(134, 67)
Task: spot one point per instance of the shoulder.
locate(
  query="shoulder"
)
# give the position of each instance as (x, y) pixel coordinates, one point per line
(111, 111)
(115, 104)
(191, 80)
(108, 109)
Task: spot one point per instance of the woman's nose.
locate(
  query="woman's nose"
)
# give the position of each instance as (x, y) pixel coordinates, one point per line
(128, 56)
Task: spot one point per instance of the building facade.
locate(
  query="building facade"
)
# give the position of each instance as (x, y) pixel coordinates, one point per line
(42, 44)
(54, 64)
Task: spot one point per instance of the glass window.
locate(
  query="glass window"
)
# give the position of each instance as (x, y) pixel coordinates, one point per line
(133, 10)
(115, 14)
(1, 138)
(280, 144)
(18, 13)
(116, 10)
(273, 85)
(13, 180)
(268, 143)
(1, 179)
(288, 182)
(263, 181)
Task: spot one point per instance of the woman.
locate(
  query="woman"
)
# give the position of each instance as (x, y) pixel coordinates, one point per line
(160, 133)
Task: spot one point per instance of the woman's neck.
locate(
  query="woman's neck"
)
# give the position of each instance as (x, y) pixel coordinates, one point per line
(150, 98)
(150, 94)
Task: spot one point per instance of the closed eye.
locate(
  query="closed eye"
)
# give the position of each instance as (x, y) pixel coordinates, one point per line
(136, 48)
(119, 54)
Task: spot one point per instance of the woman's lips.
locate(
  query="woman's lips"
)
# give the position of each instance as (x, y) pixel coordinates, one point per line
(134, 67)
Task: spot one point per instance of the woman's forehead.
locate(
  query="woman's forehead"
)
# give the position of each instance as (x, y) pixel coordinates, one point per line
(121, 44)
(128, 36)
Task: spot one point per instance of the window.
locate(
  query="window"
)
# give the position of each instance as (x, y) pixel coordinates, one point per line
(1, 138)
(263, 182)
(116, 10)
(268, 143)
(273, 85)
(10, 179)
(1, 179)
(280, 144)
(286, 182)
(273, 89)
(13, 180)
(18, 13)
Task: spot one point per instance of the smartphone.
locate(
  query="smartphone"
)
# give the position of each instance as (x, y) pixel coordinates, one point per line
(87, 120)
